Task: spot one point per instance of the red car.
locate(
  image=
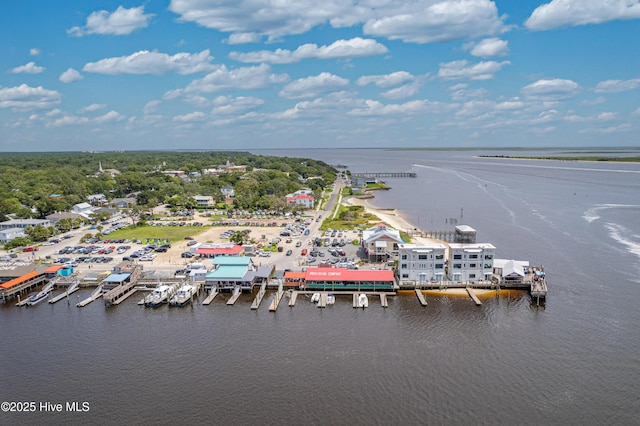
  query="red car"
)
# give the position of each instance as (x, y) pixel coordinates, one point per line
(32, 248)
(304, 252)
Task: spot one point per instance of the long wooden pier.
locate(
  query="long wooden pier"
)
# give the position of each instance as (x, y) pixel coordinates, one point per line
(384, 174)
(293, 298)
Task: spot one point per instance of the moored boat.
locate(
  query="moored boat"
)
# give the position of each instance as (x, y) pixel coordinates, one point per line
(363, 301)
(37, 298)
(183, 296)
(315, 298)
(331, 299)
(157, 296)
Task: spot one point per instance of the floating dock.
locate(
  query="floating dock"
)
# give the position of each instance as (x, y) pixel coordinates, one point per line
(95, 295)
(256, 302)
(72, 289)
(421, 298)
(383, 300)
(277, 298)
(293, 298)
(472, 294)
(234, 296)
(322, 303)
(212, 295)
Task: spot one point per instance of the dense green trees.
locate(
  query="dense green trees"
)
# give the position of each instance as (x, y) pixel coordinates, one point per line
(52, 182)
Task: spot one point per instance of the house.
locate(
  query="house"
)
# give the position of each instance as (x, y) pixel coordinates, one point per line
(83, 209)
(381, 242)
(227, 191)
(510, 270)
(302, 198)
(9, 234)
(174, 173)
(204, 200)
(23, 223)
(332, 279)
(470, 262)
(421, 263)
(220, 249)
(123, 203)
(58, 216)
(97, 199)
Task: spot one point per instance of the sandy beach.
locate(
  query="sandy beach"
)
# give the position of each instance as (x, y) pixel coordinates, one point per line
(391, 217)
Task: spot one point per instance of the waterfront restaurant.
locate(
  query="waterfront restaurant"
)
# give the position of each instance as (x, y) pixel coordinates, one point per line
(336, 279)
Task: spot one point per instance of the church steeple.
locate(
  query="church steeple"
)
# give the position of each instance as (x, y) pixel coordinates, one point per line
(100, 168)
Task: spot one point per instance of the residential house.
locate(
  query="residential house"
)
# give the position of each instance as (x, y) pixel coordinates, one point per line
(421, 263)
(123, 203)
(83, 209)
(97, 199)
(56, 217)
(204, 200)
(470, 262)
(227, 191)
(23, 223)
(9, 234)
(381, 242)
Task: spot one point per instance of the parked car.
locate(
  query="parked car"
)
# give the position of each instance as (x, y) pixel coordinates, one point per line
(288, 253)
(186, 255)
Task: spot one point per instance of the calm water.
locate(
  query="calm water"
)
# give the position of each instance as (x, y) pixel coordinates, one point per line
(506, 362)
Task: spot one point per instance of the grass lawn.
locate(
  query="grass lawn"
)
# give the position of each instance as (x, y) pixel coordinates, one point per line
(173, 233)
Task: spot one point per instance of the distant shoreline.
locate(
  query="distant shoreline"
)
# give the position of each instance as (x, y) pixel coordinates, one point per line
(592, 159)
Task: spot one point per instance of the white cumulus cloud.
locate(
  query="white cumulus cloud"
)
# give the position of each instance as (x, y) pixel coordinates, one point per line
(120, 22)
(373, 108)
(436, 21)
(551, 90)
(26, 98)
(146, 62)
(462, 69)
(419, 21)
(28, 68)
(245, 78)
(34, 51)
(568, 13)
(386, 80)
(91, 108)
(224, 105)
(355, 47)
(70, 75)
(617, 86)
(489, 48)
(191, 117)
(310, 87)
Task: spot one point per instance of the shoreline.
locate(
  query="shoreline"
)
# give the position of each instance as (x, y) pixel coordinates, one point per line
(392, 217)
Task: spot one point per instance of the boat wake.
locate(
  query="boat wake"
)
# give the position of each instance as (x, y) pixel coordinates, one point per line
(625, 237)
(593, 214)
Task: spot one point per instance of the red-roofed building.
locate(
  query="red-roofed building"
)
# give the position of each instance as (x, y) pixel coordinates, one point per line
(336, 279)
(302, 197)
(221, 250)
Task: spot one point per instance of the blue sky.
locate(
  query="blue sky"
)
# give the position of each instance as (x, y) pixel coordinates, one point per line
(242, 74)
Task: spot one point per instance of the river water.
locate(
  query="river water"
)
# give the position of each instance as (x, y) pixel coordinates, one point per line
(575, 361)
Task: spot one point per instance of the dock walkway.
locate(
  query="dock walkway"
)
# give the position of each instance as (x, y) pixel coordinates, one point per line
(421, 298)
(472, 294)
(212, 295)
(236, 294)
(256, 302)
(65, 293)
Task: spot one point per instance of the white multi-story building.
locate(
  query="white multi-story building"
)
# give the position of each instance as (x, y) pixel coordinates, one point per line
(421, 263)
(204, 200)
(470, 262)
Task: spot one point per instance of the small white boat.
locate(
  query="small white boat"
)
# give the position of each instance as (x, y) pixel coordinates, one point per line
(315, 298)
(331, 299)
(183, 296)
(363, 301)
(157, 296)
(37, 298)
